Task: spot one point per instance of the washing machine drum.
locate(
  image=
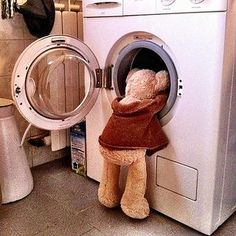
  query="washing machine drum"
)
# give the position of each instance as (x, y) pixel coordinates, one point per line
(48, 83)
(144, 54)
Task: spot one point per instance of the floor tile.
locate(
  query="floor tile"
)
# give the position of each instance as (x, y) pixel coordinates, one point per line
(115, 222)
(63, 203)
(93, 232)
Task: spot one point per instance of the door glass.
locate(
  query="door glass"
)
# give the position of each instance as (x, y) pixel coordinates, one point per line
(55, 83)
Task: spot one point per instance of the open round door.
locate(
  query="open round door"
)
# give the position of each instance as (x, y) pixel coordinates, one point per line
(48, 82)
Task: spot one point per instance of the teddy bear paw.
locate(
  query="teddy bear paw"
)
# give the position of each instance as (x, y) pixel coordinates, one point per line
(137, 210)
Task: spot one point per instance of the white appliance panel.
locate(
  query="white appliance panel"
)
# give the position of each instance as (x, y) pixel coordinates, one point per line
(103, 8)
(177, 6)
(201, 48)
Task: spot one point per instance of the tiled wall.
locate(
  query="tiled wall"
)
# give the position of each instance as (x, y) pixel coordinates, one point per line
(14, 37)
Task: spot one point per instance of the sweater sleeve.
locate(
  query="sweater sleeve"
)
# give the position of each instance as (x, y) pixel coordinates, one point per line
(160, 102)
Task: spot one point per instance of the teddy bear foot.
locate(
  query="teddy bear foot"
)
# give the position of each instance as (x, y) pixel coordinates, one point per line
(109, 201)
(136, 210)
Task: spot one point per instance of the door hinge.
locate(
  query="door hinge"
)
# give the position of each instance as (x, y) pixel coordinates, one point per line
(107, 79)
(99, 78)
(104, 79)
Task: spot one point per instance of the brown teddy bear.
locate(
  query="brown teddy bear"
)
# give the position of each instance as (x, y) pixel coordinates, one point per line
(133, 129)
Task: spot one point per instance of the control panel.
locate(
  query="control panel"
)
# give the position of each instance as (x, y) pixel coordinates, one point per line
(188, 6)
(103, 8)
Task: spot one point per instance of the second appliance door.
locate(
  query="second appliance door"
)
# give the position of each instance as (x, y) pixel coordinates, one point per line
(48, 83)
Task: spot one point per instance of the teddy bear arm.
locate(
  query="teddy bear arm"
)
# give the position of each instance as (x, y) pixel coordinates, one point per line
(161, 100)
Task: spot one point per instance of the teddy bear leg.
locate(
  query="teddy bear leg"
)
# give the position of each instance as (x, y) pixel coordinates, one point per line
(133, 202)
(108, 192)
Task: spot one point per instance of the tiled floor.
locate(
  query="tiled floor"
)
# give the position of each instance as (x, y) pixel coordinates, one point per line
(63, 203)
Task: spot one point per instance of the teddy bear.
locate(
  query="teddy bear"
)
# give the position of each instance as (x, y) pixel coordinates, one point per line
(132, 130)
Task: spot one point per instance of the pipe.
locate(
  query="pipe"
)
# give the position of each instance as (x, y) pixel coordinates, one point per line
(74, 7)
(59, 6)
(62, 7)
(24, 135)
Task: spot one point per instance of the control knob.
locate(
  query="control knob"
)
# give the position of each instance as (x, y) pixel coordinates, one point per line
(196, 1)
(167, 2)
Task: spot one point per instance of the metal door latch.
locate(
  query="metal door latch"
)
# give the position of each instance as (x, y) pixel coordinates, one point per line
(180, 88)
(18, 90)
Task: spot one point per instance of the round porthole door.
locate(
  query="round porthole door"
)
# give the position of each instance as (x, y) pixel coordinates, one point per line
(48, 82)
(143, 50)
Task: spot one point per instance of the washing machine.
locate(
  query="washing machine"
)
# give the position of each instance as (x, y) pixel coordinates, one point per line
(192, 180)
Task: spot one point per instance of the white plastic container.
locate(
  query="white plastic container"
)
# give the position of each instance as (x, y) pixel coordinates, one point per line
(16, 180)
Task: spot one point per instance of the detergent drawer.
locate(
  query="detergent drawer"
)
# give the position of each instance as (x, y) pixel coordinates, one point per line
(177, 178)
(102, 8)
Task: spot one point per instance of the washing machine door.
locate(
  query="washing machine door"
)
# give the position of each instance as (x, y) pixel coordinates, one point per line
(48, 83)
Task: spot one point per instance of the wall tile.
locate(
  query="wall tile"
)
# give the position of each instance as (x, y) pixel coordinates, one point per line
(27, 42)
(12, 28)
(9, 52)
(5, 87)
